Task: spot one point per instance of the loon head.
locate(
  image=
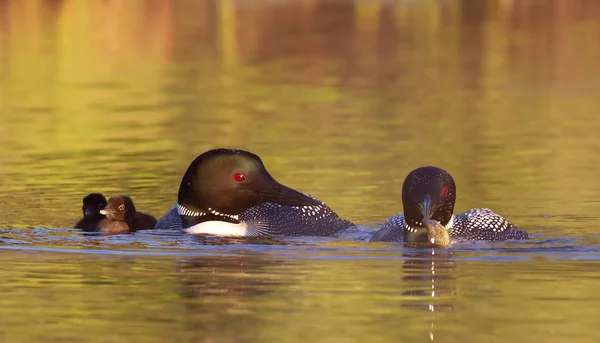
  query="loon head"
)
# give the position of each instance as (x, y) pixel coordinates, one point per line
(428, 193)
(92, 204)
(119, 208)
(222, 183)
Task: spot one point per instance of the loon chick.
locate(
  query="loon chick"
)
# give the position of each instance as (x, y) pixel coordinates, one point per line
(92, 204)
(229, 192)
(143, 221)
(430, 193)
(120, 214)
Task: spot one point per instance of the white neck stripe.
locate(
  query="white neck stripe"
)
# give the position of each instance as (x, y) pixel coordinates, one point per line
(183, 211)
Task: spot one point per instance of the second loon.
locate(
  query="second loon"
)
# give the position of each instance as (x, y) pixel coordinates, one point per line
(229, 192)
(429, 193)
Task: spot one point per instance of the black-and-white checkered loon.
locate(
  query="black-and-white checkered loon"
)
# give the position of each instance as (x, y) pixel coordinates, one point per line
(429, 193)
(229, 192)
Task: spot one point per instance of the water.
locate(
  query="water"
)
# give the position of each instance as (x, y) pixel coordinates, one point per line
(341, 99)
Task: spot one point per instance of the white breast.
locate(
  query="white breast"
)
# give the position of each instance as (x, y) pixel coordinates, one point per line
(219, 228)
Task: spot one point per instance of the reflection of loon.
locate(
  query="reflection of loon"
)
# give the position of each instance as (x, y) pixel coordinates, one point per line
(219, 294)
(227, 276)
(230, 193)
(429, 282)
(429, 193)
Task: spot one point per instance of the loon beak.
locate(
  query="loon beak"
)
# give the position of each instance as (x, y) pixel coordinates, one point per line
(88, 212)
(426, 207)
(104, 211)
(282, 195)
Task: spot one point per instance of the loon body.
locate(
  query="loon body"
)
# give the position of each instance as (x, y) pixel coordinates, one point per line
(229, 192)
(428, 195)
(474, 224)
(170, 221)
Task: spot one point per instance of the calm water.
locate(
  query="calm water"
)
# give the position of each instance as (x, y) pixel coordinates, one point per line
(341, 99)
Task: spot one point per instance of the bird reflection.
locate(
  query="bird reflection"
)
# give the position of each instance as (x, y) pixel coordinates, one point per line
(217, 293)
(429, 281)
(228, 276)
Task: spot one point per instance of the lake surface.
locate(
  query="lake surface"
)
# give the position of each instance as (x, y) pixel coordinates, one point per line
(341, 99)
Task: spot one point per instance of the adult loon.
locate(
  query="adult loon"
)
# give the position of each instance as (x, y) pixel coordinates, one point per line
(229, 192)
(428, 195)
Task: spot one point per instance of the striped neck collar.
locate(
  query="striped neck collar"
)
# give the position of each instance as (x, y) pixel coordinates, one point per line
(184, 211)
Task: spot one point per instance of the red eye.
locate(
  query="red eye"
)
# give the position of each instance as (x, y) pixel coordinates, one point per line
(239, 177)
(445, 191)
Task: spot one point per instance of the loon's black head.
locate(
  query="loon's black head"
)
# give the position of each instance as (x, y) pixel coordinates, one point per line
(222, 183)
(428, 193)
(119, 208)
(92, 204)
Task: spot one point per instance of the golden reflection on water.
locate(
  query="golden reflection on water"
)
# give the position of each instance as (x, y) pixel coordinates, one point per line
(341, 99)
(262, 298)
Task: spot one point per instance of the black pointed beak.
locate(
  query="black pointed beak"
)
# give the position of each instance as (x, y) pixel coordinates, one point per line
(282, 195)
